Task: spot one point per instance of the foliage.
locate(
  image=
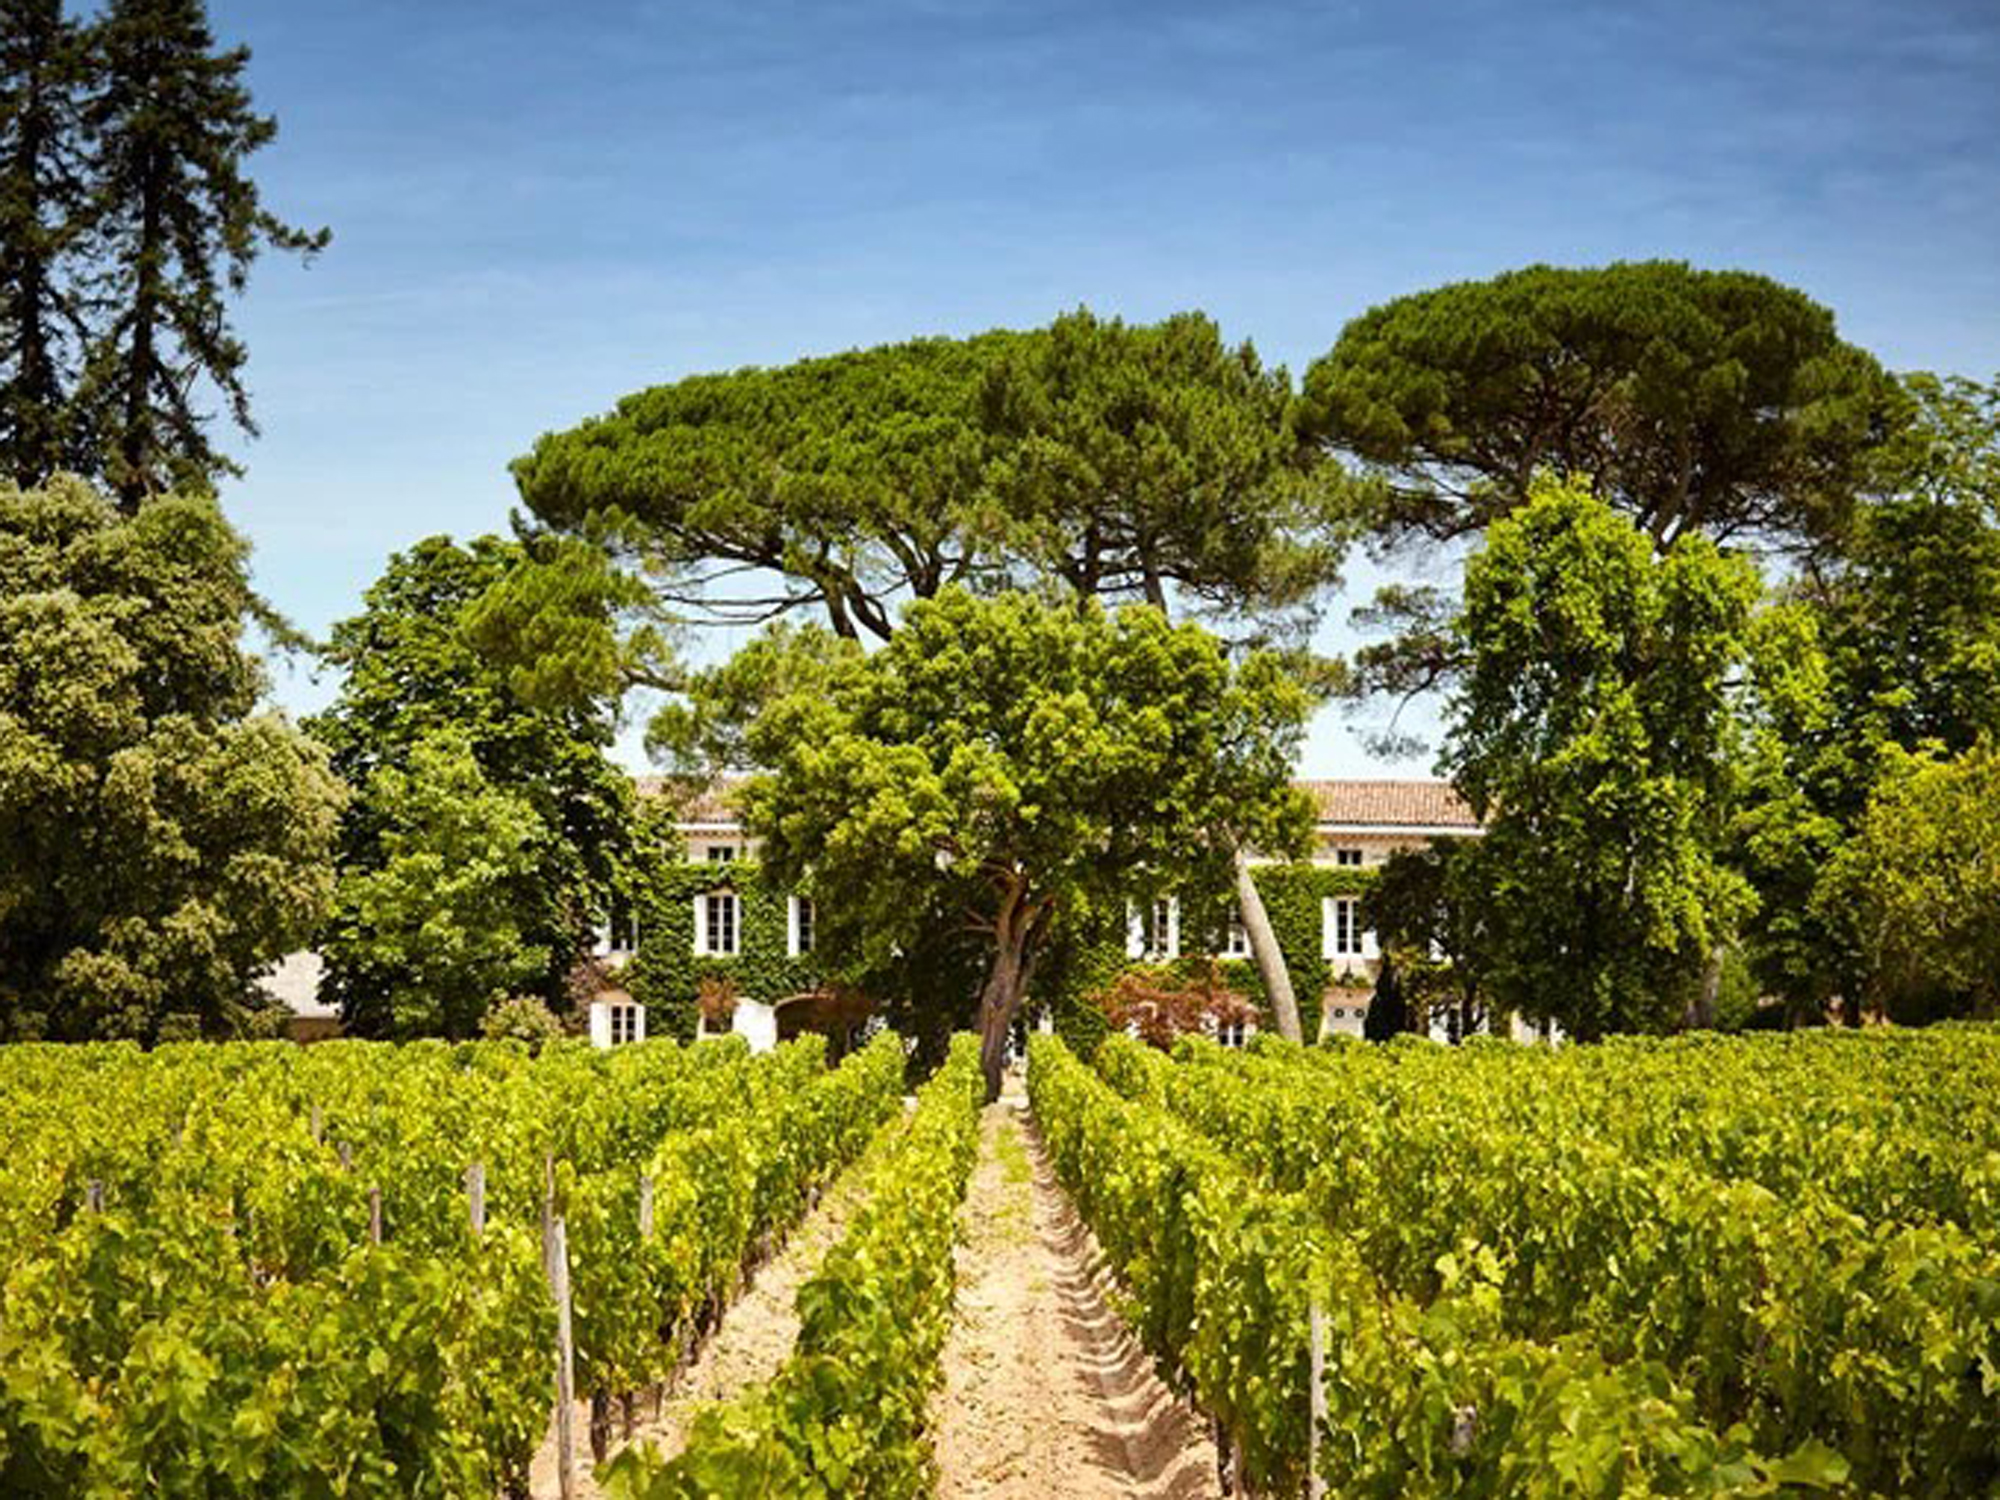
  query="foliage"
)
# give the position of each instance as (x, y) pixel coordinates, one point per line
(668, 975)
(1125, 460)
(1712, 402)
(1428, 911)
(1087, 948)
(1922, 875)
(846, 1413)
(223, 1320)
(1717, 1248)
(524, 1019)
(550, 815)
(44, 195)
(176, 226)
(426, 941)
(1589, 735)
(1160, 1008)
(159, 843)
(1896, 644)
(999, 759)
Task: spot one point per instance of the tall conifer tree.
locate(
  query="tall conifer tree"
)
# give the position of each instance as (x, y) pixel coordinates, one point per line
(179, 225)
(43, 195)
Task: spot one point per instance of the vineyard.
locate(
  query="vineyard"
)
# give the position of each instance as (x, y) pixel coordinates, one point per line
(259, 1269)
(1691, 1267)
(1687, 1267)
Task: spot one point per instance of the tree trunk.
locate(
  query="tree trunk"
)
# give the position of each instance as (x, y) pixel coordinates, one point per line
(1014, 929)
(1264, 949)
(1701, 1005)
(1000, 999)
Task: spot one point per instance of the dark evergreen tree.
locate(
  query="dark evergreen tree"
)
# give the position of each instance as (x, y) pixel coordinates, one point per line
(43, 197)
(177, 226)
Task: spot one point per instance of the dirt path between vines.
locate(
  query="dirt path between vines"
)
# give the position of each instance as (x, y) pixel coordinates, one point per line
(756, 1334)
(1046, 1391)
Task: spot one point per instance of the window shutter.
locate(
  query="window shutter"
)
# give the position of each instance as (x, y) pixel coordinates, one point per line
(1135, 931)
(1368, 947)
(1326, 927)
(1173, 927)
(701, 924)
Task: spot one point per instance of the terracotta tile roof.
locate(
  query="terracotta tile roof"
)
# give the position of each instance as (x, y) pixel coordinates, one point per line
(1357, 804)
(1389, 804)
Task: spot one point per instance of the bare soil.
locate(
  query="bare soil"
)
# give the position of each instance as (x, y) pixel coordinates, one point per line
(1046, 1391)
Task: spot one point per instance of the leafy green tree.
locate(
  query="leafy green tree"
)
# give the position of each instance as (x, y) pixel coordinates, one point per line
(1894, 643)
(1120, 462)
(1427, 909)
(1713, 402)
(1000, 759)
(1589, 734)
(430, 935)
(414, 669)
(159, 842)
(176, 226)
(1129, 461)
(44, 196)
(1922, 876)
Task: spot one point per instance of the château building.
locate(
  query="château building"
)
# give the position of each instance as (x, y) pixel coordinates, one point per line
(1357, 826)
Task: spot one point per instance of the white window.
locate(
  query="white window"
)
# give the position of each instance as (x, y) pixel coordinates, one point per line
(613, 1023)
(799, 937)
(721, 854)
(1154, 932)
(1235, 936)
(715, 923)
(1340, 929)
(1232, 1033)
(1347, 856)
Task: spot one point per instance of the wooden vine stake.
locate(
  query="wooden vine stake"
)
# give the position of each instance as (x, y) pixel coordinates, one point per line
(557, 1251)
(475, 1197)
(318, 1125)
(645, 1206)
(1316, 1486)
(548, 1214)
(374, 1216)
(93, 1195)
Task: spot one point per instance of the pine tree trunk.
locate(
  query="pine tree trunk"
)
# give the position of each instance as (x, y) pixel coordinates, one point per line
(1264, 949)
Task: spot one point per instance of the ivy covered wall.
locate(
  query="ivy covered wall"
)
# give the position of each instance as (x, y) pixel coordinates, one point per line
(1086, 955)
(1088, 959)
(665, 972)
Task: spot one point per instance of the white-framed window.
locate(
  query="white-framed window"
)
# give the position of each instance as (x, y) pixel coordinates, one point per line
(717, 928)
(1235, 936)
(1154, 931)
(721, 854)
(1341, 933)
(799, 926)
(614, 1023)
(1347, 857)
(1233, 1033)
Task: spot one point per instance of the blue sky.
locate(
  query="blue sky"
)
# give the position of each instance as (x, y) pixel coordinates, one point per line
(538, 208)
